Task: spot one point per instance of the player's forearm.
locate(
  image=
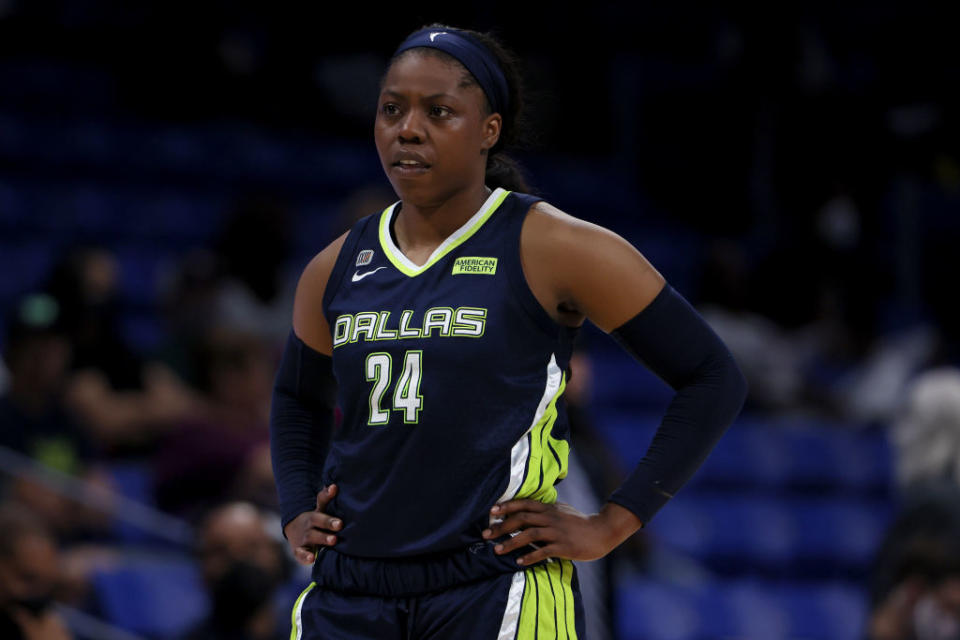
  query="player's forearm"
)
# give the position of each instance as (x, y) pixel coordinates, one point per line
(301, 419)
(674, 342)
(296, 454)
(619, 523)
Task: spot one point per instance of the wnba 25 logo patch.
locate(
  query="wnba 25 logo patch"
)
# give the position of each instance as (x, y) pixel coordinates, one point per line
(364, 257)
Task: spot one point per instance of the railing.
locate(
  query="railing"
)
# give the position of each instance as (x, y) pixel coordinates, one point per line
(157, 523)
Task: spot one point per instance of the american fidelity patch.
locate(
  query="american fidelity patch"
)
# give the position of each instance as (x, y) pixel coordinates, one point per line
(475, 265)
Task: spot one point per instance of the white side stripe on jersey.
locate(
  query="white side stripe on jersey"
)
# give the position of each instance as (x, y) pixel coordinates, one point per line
(521, 450)
(511, 614)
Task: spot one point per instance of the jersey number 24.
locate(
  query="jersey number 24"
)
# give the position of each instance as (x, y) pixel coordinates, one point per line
(406, 393)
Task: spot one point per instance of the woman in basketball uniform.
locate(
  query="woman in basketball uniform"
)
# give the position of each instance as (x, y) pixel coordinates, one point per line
(442, 329)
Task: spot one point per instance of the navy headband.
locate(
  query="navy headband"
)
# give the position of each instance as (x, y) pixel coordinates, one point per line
(472, 54)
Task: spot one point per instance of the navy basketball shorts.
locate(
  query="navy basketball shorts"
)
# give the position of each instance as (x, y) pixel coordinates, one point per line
(541, 602)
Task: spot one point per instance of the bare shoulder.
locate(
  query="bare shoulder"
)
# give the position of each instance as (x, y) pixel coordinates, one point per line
(544, 218)
(585, 267)
(553, 229)
(318, 270)
(309, 322)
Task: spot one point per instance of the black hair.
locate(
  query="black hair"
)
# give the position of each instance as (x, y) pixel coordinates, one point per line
(502, 170)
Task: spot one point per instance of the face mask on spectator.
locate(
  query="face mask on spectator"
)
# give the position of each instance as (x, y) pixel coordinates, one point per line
(241, 591)
(36, 604)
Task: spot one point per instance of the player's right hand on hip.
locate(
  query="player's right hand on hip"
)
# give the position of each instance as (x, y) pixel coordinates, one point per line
(313, 529)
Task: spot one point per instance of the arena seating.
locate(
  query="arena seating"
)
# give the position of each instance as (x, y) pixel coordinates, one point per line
(785, 515)
(155, 596)
(748, 609)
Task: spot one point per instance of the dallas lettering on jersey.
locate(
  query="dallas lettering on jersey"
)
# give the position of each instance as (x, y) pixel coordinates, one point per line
(375, 326)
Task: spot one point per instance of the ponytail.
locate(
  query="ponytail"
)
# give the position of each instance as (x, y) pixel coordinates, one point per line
(502, 170)
(506, 173)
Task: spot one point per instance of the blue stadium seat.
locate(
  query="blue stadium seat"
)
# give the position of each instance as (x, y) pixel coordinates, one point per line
(140, 270)
(832, 611)
(172, 216)
(255, 154)
(144, 332)
(743, 609)
(25, 268)
(755, 611)
(806, 537)
(835, 456)
(621, 381)
(845, 532)
(314, 227)
(134, 481)
(174, 148)
(761, 454)
(76, 212)
(627, 435)
(12, 135)
(14, 209)
(746, 457)
(157, 597)
(652, 611)
(730, 534)
(93, 142)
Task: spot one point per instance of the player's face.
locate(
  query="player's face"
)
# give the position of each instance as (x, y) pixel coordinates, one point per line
(430, 132)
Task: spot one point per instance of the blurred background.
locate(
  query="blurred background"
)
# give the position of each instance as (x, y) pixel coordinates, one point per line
(168, 168)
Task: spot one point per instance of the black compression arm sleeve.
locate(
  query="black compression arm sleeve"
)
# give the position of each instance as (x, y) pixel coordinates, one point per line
(674, 342)
(301, 421)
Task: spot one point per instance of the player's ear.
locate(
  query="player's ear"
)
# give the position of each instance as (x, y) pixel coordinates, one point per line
(492, 125)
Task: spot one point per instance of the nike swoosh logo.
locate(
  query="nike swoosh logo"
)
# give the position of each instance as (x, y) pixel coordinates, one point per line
(433, 36)
(357, 276)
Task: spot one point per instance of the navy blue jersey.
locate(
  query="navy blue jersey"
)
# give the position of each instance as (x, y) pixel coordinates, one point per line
(450, 377)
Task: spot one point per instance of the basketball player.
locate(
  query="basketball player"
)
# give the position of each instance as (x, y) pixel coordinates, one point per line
(442, 328)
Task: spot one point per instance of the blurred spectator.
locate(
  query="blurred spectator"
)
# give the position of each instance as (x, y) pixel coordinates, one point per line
(873, 389)
(926, 437)
(221, 450)
(123, 400)
(85, 285)
(189, 305)
(916, 584)
(29, 576)
(808, 338)
(35, 421)
(256, 295)
(773, 357)
(242, 567)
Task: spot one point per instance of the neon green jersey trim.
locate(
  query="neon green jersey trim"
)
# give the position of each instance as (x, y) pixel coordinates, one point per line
(455, 240)
(294, 627)
(566, 578)
(547, 609)
(542, 462)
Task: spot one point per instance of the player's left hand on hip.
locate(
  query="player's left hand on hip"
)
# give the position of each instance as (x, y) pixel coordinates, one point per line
(559, 530)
